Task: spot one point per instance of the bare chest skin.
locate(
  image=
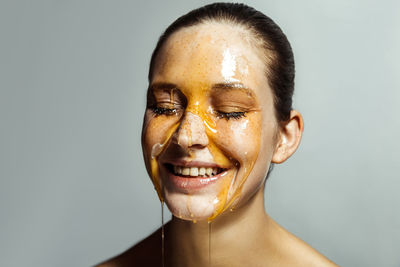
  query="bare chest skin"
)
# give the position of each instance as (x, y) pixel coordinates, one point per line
(272, 247)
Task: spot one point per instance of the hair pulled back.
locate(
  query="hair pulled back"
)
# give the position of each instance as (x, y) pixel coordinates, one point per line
(279, 56)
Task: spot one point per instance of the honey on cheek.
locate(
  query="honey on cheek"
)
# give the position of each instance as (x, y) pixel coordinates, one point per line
(221, 136)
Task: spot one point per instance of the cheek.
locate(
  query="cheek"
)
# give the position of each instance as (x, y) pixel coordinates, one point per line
(240, 139)
(156, 130)
(156, 133)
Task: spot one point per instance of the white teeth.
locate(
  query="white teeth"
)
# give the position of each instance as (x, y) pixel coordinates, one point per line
(215, 171)
(176, 169)
(185, 171)
(209, 171)
(194, 171)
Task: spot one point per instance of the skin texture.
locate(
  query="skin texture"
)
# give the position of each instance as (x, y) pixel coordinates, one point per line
(191, 76)
(196, 63)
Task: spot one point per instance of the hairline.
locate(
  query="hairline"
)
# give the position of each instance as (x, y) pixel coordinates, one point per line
(262, 47)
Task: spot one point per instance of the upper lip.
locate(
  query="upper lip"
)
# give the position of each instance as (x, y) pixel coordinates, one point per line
(193, 163)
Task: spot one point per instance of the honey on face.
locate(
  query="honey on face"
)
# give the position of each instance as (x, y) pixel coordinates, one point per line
(204, 106)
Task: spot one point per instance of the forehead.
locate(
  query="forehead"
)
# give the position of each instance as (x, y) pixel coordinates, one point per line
(210, 53)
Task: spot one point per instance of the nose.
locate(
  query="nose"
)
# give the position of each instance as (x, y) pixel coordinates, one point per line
(191, 133)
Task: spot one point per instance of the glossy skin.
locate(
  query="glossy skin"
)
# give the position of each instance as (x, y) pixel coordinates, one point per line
(216, 83)
(196, 133)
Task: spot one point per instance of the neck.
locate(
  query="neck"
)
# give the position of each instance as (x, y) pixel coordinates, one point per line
(228, 239)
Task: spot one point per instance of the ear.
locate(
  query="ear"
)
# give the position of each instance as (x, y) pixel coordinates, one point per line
(289, 137)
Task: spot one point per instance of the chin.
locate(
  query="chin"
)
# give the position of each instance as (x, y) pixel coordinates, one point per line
(194, 208)
(195, 197)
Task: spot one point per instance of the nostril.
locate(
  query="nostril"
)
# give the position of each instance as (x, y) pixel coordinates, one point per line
(197, 146)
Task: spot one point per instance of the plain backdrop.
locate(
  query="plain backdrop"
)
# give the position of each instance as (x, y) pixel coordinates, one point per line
(73, 187)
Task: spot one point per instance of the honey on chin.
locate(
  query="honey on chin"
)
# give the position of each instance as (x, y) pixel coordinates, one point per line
(198, 105)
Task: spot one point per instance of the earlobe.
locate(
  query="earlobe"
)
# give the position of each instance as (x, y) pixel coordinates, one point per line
(289, 137)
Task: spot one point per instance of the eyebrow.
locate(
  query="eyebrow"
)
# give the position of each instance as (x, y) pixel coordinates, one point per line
(162, 86)
(220, 87)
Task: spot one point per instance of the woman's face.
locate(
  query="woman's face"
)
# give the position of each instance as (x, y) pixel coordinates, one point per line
(209, 130)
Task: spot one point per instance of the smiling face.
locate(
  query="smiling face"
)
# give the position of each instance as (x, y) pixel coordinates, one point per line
(210, 130)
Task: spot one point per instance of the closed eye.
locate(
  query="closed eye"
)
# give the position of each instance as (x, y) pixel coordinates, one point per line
(230, 115)
(164, 111)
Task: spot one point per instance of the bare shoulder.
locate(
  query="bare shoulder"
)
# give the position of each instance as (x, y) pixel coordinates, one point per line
(292, 251)
(146, 253)
(305, 255)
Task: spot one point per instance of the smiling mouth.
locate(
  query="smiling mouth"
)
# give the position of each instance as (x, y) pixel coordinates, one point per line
(194, 172)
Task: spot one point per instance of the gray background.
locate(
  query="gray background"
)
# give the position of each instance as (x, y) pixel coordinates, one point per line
(73, 188)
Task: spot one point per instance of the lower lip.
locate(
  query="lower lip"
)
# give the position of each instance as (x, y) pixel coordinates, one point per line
(193, 183)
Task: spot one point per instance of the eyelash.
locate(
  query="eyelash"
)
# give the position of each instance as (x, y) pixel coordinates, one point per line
(221, 115)
(164, 111)
(231, 115)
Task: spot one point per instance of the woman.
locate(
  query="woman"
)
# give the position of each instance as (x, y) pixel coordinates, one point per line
(219, 114)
